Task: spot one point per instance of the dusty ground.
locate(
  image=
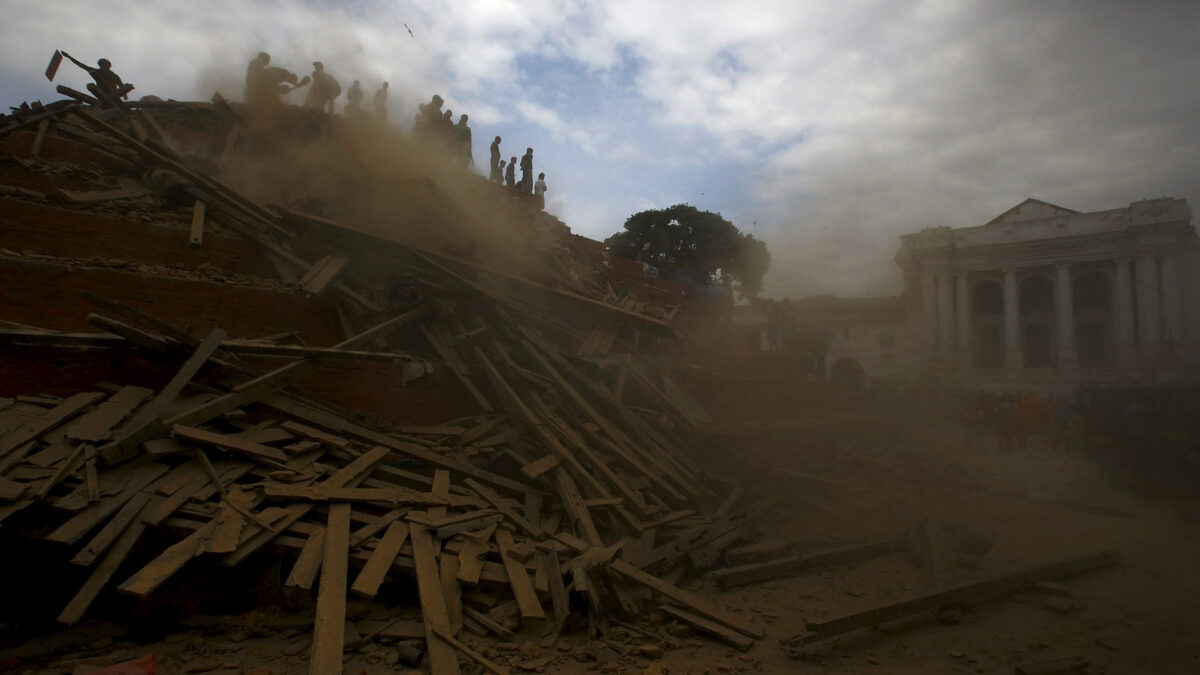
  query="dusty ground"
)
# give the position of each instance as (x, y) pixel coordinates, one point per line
(1034, 505)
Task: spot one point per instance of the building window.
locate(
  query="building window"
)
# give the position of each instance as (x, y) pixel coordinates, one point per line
(887, 341)
(887, 360)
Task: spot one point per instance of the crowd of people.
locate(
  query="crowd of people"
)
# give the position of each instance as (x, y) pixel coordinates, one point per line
(1014, 419)
(265, 84)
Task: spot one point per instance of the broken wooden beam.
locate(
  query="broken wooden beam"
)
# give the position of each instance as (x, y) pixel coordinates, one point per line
(964, 594)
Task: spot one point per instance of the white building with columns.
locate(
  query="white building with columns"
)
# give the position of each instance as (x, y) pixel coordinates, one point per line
(1042, 292)
(1043, 297)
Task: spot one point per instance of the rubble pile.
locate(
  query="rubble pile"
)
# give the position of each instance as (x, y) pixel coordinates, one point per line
(561, 495)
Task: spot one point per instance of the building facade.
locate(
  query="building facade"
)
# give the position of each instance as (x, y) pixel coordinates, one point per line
(1047, 294)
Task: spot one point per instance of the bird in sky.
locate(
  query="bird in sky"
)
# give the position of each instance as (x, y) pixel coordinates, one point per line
(410, 33)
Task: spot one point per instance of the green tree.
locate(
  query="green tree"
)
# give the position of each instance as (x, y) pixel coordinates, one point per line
(701, 245)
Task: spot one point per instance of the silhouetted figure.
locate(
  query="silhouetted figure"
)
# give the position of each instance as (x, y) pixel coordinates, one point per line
(354, 98)
(462, 141)
(510, 175)
(498, 172)
(381, 96)
(539, 189)
(108, 86)
(446, 128)
(256, 84)
(527, 170)
(429, 117)
(494, 164)
(325, 89)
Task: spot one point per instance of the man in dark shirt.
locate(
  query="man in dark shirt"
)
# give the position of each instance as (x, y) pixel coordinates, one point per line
(510, 175)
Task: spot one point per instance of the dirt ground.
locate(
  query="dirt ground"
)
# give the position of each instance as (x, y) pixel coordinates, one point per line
(1028, 507)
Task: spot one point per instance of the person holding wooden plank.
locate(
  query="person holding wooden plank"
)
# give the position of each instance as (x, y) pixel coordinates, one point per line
(108, 86)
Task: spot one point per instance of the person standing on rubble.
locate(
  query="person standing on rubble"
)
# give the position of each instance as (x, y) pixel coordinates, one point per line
(256, 83)
(498, 173)
(462, 141)
(446, 128)
(527, 170)
(510, 175)
(324, 89)
(539, 189)
(495, 163)
(429, 116)
(354, 98)
(381, 102)
(108, 86)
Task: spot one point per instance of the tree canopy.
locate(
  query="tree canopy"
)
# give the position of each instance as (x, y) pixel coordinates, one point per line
(693, 246)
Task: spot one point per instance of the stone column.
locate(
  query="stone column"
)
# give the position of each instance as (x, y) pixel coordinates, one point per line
(929, 307)
(962, 311)
(945, 293)
(1012, 317)
(1146, 274)
(1123, 314)
(1064, 313)
(1170, 299)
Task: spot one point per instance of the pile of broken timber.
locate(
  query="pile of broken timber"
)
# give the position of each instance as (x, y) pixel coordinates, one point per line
(574, 495)
(554, 488)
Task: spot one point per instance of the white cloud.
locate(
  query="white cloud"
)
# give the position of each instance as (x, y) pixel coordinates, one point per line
(853, 122)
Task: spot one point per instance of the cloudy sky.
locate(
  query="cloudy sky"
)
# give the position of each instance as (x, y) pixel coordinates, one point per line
(826, 128)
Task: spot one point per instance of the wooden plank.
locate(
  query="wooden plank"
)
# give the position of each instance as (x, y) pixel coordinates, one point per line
(541, 466)
(196, 235)
(729, 637)
(320, 275)
(112, 530)
(36, 149)
(374, 525)
(308, 563)
(352, 473)
(369, 579)
(79, 525)
(100, 577)
(381, 330)
(170, 561)
(691, 601)
(315, 434)
(398, 495)
(518, 578)
(413, 450)
(329, 626)
(254, 450)
(469, 562)
(48, 420)
(11, 491)
(452, 589)
(167, 395)
(97, 425)
(230, 522)
(573, 503)
(433, 602)
(242, 394)
(963, 594)
(503, 507)
(559, 601)
(441, 486)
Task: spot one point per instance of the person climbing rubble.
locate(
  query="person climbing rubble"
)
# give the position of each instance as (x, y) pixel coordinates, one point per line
(108, 86)
(539, 189)
(527, 170)
(462, 142)
(354, 98)
(325, 89)
(495, 164)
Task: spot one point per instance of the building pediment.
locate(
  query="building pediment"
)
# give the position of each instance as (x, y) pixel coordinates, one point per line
(1030, 209)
